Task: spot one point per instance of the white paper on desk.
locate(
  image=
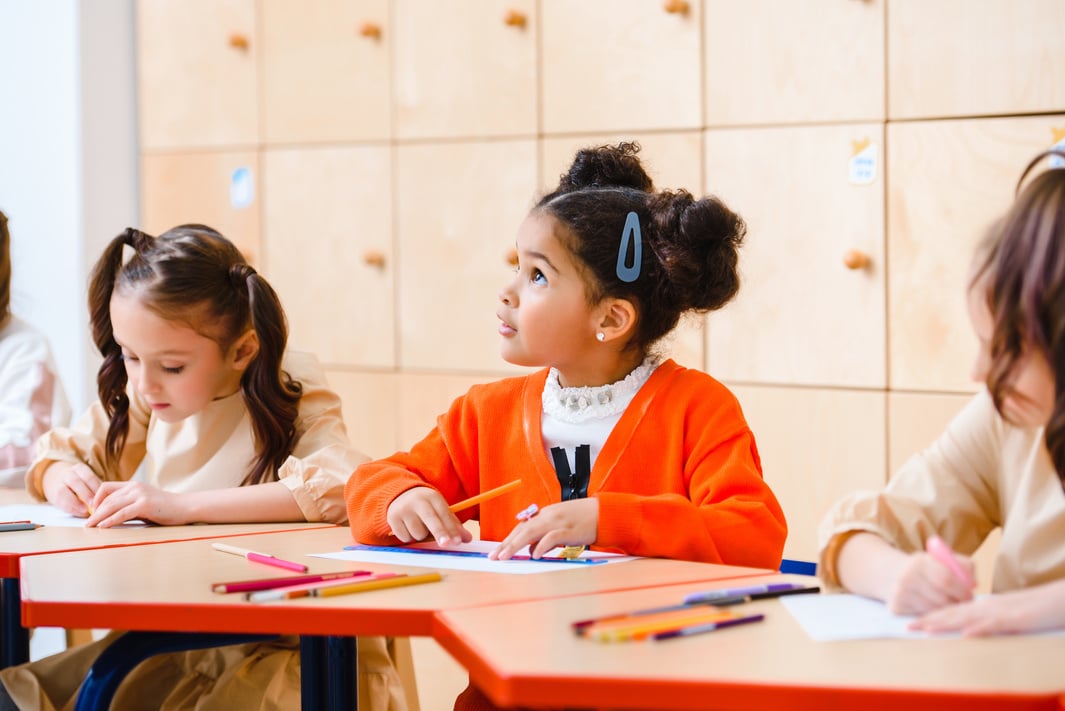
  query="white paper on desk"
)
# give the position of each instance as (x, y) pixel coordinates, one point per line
(836, 617)
(833, 617)
(48, 515)
(456, 562)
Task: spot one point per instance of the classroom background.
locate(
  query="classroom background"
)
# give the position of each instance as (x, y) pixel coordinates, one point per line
(374, 159)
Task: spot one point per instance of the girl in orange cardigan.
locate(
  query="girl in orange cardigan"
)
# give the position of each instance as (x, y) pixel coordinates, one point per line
(618, 448)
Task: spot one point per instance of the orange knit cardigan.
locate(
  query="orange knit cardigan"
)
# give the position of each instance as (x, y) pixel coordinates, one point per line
(678, 477)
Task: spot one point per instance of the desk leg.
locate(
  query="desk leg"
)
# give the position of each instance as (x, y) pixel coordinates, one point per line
(14, 638)
(329, 673)
(342, 656)
(312, 672)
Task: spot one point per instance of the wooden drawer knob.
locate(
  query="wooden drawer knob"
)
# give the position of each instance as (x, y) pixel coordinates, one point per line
(374, 258)
(514, 18)
(856, 259)
(239, 41)
(371, 30)
(675, 7)
(511, 256)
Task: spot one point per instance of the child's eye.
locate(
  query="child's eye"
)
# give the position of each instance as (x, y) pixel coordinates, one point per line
(129, 358)
(538, 277)
(173, 369)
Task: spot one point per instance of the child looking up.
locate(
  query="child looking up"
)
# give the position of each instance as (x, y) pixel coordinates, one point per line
(196, 386)
(618, 448)
(32, 399)
(1000, 463)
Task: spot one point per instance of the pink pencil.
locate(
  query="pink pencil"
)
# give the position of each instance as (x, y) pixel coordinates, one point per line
(273, 583)
(939, 550)
(265, 558)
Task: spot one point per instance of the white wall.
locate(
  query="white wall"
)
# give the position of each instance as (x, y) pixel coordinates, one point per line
(68, 162)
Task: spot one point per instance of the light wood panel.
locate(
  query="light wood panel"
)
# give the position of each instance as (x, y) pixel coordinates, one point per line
(949, 180)
(802, 316)
(915, 420)
(326, 75)
(462, 71)
(672, 159)
(328, 250)
(197, 73)
(620, 65)
(371, 406)
(777, 61)
(954, 58)
(217, 188)
(459, 208)
(816, 446)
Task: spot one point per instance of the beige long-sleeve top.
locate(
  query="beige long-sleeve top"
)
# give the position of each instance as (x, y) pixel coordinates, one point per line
(32, 399)
(982, 473)
(214, 448)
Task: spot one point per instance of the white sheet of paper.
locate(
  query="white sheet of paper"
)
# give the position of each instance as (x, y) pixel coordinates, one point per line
(458, 562)
(48, 515)
(835, 617)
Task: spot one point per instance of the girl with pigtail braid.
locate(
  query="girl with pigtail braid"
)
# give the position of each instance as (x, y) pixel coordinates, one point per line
(198, 394)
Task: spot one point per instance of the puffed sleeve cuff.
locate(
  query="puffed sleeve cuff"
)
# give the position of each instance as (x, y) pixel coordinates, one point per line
(316, 484)
(864, 512)
(826, 564)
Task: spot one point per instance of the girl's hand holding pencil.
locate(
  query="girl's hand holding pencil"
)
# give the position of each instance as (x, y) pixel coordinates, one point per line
(421, 512)
(71, 487)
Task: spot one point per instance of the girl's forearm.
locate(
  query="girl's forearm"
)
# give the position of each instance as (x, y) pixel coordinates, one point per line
(868, 565)
(271, 502)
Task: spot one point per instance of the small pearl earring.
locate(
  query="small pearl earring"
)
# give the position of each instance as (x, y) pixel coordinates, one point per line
(600, 336)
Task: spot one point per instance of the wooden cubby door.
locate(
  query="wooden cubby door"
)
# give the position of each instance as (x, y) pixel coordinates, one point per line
(810, 310)
(783, 62)
(197, 74)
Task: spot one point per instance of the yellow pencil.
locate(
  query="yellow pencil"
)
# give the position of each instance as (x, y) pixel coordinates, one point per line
(392, 582)
(83, 502)
(484, 496)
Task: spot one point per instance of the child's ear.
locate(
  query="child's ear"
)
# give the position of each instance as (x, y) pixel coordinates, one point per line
(616, 319)
(245, 350)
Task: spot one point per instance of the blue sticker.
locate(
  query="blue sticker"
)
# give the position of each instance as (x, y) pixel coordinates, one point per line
(241, 188)
(631, 233)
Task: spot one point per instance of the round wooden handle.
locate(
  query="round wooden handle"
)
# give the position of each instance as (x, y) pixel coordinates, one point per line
(374, 258)
(515, 18)
(371, 30)
(675, 7)
(856, 259)
(511, 256)
(239, 41)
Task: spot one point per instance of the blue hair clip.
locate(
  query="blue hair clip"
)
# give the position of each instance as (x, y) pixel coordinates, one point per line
(630, 233)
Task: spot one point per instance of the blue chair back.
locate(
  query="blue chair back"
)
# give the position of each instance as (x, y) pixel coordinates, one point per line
(798, 567)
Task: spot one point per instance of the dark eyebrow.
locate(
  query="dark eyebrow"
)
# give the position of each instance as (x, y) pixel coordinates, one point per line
(540, 255)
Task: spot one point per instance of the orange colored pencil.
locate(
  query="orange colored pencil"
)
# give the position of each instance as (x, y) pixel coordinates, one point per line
(484, 496)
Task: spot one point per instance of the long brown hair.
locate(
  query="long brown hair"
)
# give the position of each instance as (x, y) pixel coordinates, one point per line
(194, 275)
(5, 270)
(1023, 268)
